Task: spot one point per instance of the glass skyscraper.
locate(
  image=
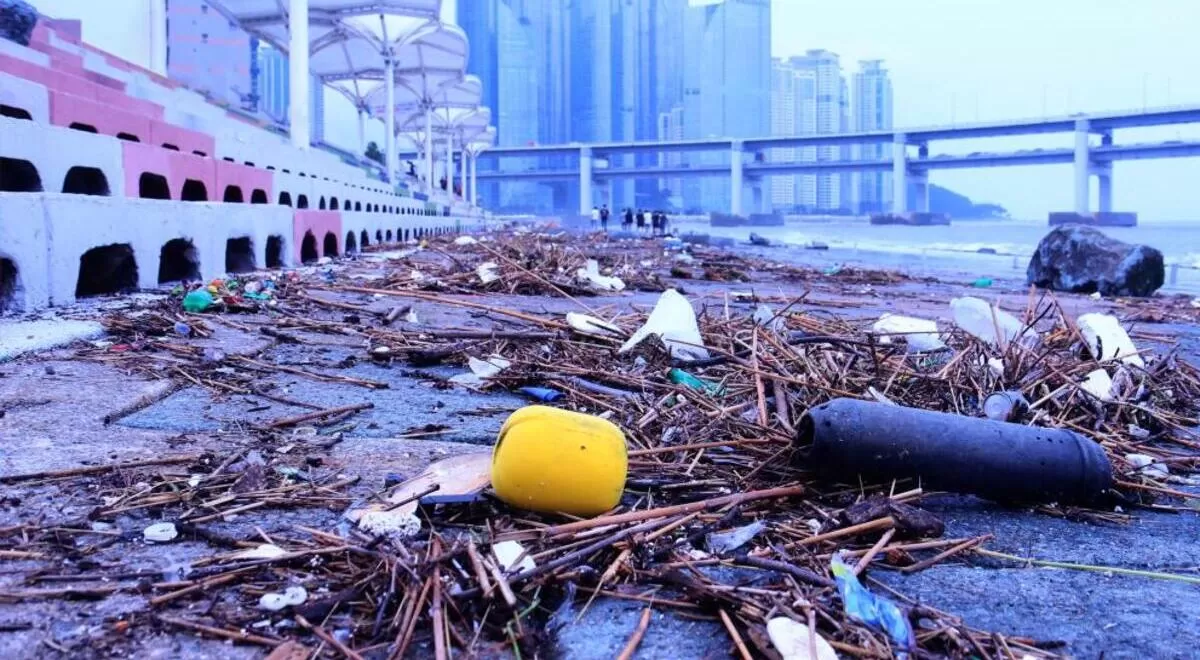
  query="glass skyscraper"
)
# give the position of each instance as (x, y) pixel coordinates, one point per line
(556, 72)
(727, 85)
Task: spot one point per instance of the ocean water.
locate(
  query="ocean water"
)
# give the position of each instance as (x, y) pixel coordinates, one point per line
(953, 251)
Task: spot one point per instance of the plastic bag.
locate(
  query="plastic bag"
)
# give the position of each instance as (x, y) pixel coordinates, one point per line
(481, 370)
(920, 334)
(1107, 340)
(488, 272)
(981, 320)
(875, 611)
(674, 320)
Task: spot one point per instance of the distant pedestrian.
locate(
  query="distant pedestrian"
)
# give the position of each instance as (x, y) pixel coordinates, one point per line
(595, 216)
(604, 218)
(655, 223)
(628, 224)
(663, 220)
(641, 221)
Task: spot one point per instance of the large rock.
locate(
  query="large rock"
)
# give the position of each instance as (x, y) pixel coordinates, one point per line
(1083, 260)
(17, 19)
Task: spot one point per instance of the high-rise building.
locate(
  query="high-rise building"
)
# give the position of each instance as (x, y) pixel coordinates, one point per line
(873, 111)
(504, 54)
(726, 85)
(819, 105)
(208, 52)
(784, 115)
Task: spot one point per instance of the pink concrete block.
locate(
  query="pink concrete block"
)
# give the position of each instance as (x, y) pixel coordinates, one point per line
(67, 109)
(248, 179)
(320, 223)
(186, 140)
(177, 168)
(103, 80)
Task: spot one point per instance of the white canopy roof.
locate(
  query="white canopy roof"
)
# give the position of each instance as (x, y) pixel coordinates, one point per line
(464, 93)
(349, 40)
(459, 125)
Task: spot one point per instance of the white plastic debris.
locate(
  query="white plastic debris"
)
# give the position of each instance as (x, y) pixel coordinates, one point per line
(880, 397)
(590, 325)
(1107, 340)
(996, 365)
(160, 532)
(981, 320)
(920, 334)
(1099, 384)
(674, 320)
(1148, 466)
(481, 370)
(796, 641)
(394, 524)
(590, 273)
(488, 271)
(465, 240)
(262, 551)
(508, 553)
(766, 317)
(1095, 295)
(411, 317)
(733, 539)
(273, 602)
(381, 352)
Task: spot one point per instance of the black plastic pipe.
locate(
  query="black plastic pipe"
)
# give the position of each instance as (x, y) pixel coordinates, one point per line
(996, 460)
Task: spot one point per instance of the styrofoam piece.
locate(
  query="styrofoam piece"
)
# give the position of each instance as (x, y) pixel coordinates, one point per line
(1107, 340)
(674, 320)
(590, 325)
(981, 320)
(920, 334)
(796, 641)
(590, 273)
(1099, 384)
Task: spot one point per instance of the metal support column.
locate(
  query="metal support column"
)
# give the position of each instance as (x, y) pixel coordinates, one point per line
(298, 74)
(462, 173)
(158, 36)
(474, 180)
(429, 150)
(389, 73)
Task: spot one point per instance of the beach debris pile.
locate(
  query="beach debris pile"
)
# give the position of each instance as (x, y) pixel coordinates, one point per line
(726, 514)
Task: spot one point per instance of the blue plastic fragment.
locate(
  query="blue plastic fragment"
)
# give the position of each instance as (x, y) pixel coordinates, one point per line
(872, 610)
(543, 394)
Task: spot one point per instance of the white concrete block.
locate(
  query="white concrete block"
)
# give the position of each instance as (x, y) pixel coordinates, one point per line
(14, 49)
(77, 223)
(54, 150)
(23, 241)
(26, 95)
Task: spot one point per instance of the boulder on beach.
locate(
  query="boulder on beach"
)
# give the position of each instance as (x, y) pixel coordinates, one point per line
(17, 20)
(1083, 260)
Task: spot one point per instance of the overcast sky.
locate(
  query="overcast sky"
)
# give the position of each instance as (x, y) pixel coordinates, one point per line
(955, 61)
(967, 60)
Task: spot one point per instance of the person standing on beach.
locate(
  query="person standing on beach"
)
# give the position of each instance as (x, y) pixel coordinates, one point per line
(654, 223)
(663, 221)
(628, 224)
(604, 218)
(641, 221)
(595, 216)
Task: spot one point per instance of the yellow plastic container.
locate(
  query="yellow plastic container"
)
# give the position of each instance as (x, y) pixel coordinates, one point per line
(558, 461)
